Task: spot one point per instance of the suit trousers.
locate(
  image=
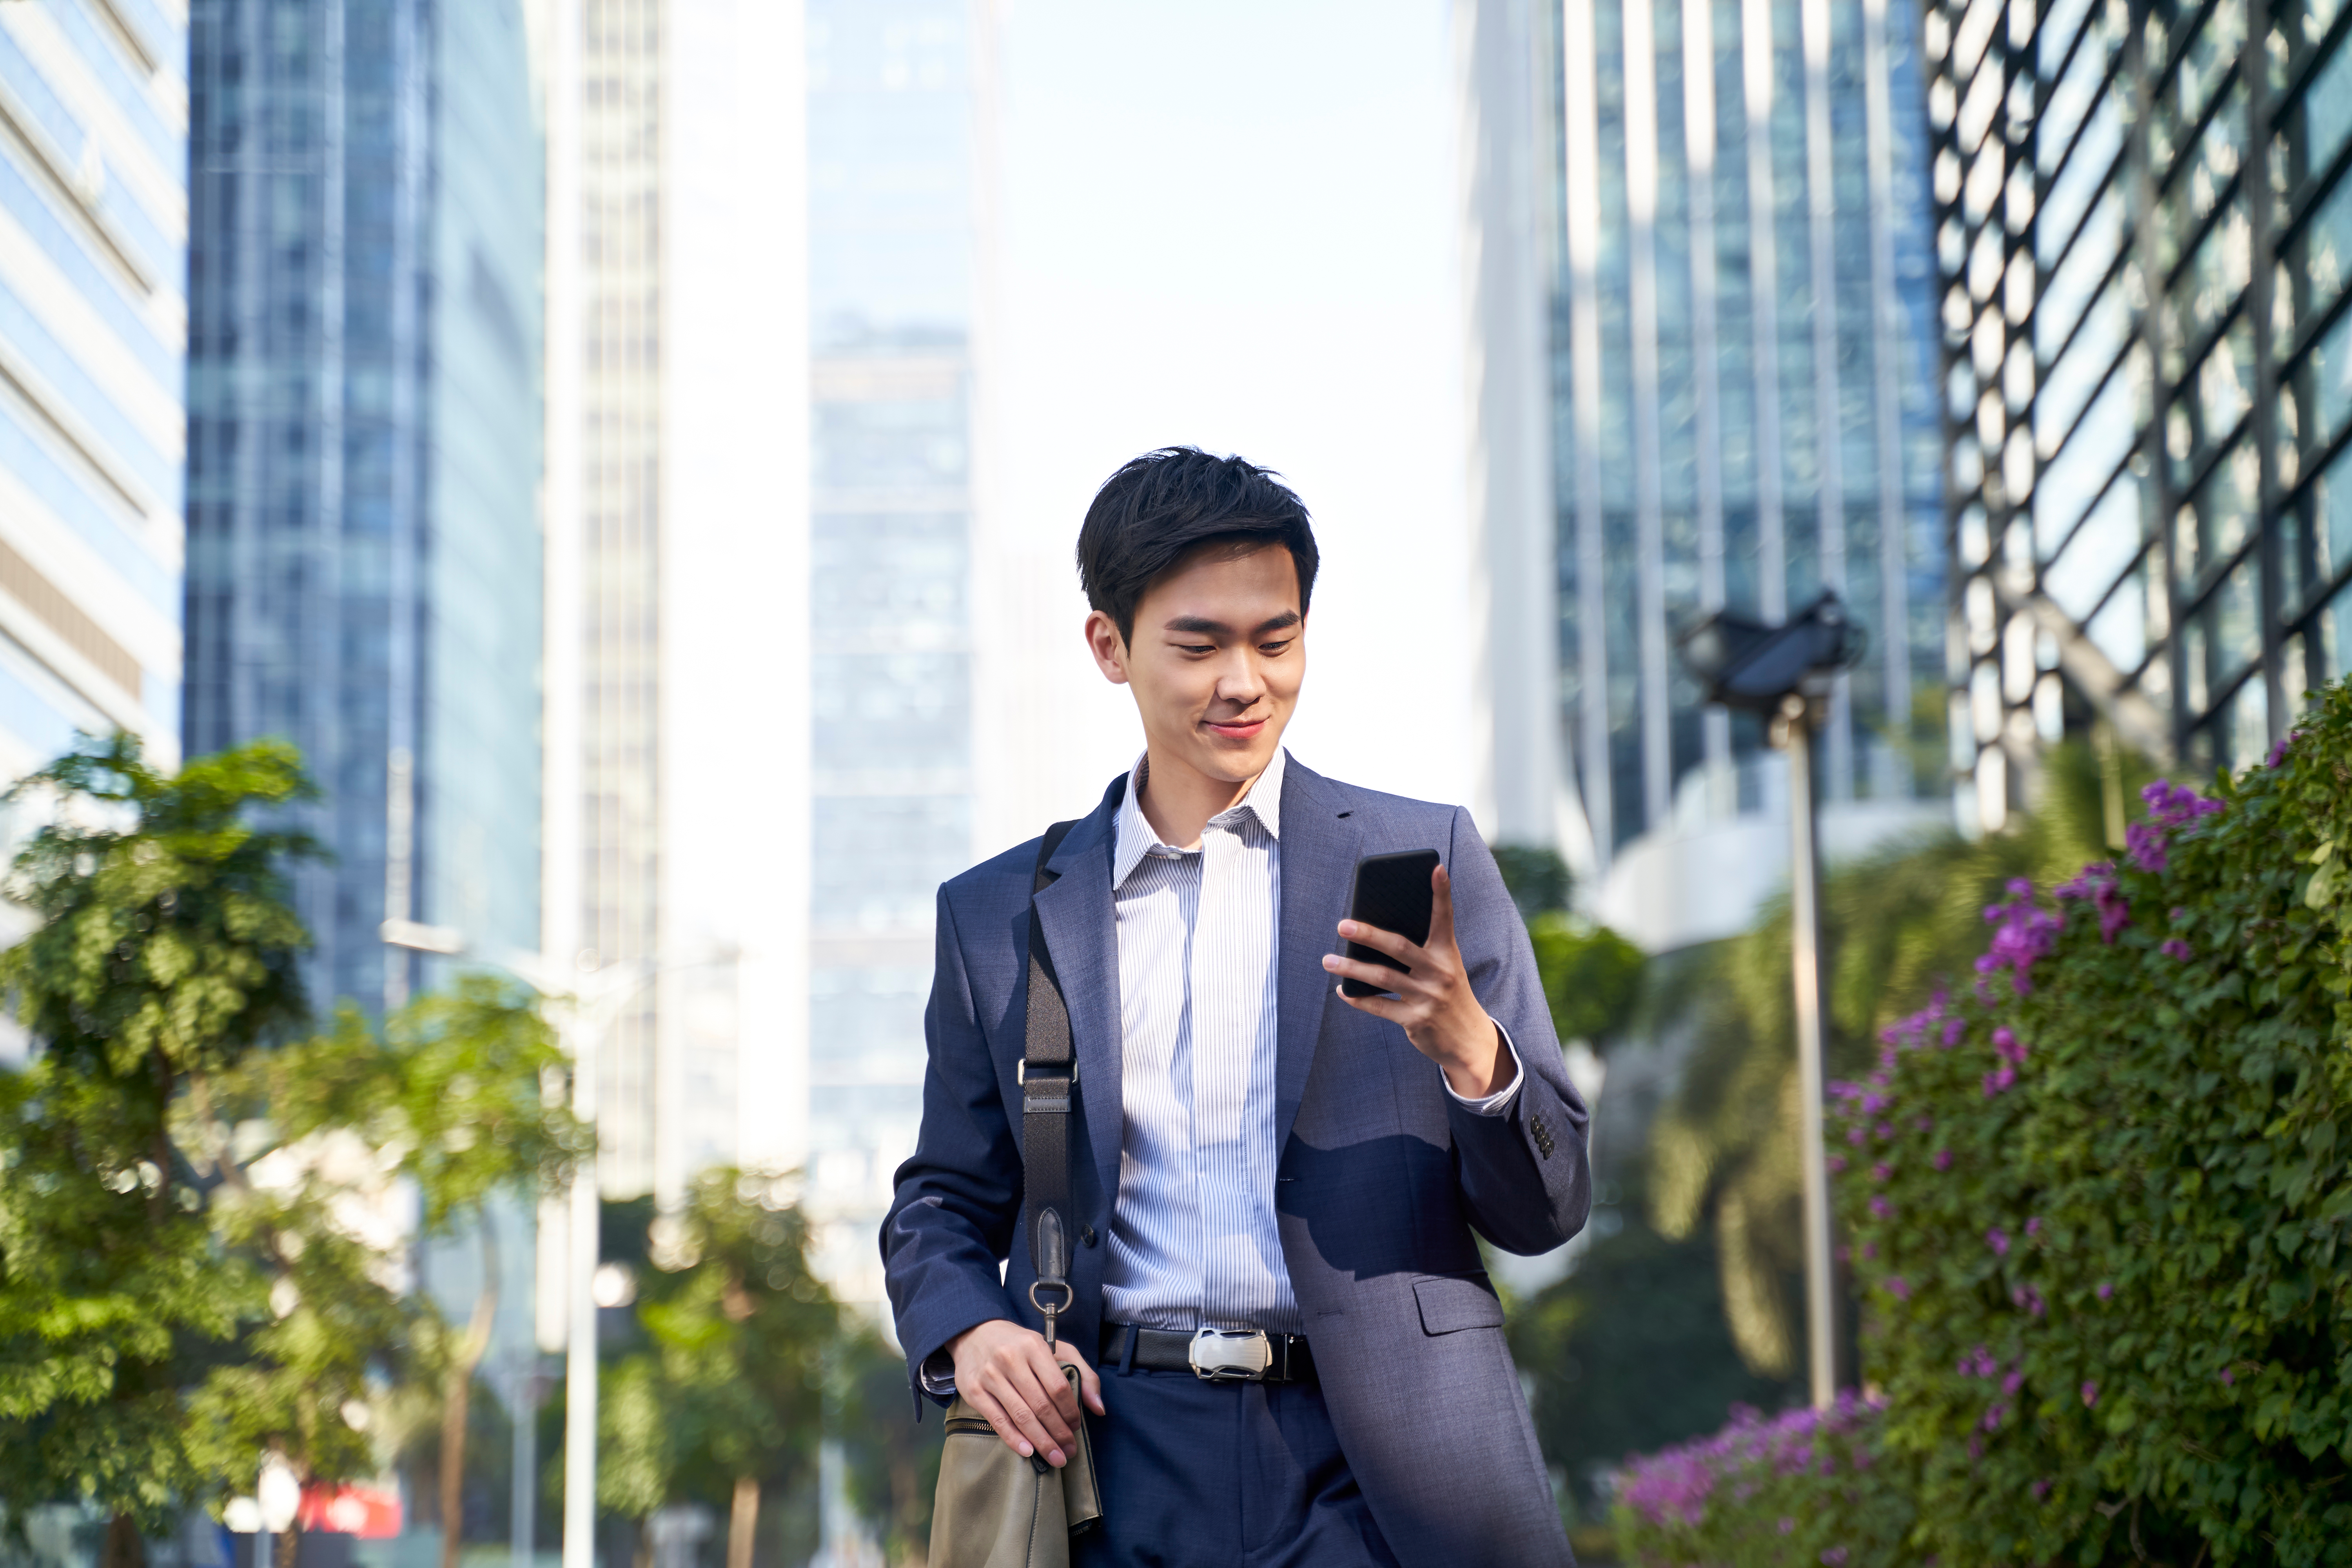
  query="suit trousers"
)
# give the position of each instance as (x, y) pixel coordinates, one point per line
(1209, 1475)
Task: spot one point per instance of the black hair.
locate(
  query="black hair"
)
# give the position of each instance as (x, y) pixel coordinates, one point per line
(1161, 510)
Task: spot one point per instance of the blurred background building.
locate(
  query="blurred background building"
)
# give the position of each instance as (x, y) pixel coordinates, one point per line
(893, 276)
(364, 574)
(1702, 309)
(93, 258)
(677, 517)
(2143, 230)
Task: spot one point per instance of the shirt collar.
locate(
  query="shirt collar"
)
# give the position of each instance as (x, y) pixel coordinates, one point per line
(1136, 839)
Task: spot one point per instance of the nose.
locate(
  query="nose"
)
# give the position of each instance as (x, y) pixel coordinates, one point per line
(1238, 679)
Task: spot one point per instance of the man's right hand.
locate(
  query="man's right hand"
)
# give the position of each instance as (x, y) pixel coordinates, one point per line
(1007, 1373)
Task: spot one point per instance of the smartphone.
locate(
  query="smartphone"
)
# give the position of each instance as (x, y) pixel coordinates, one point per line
(1393, 894)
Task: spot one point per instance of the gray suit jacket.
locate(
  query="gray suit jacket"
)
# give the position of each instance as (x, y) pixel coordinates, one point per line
(1383, 1177)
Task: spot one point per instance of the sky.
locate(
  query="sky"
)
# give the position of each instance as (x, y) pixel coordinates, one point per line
(1232, 224)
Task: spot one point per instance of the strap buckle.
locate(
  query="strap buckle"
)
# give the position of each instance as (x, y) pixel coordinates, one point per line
(1052, 1088)
(1229, 1356)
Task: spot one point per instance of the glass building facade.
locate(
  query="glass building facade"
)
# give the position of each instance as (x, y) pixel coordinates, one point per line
(1732, 221)
(93, 256)
(892, 208)
(2143, 230)
(364, 548)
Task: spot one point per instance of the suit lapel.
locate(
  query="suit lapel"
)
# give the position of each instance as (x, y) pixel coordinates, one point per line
(1319, 860)
(1082, 936)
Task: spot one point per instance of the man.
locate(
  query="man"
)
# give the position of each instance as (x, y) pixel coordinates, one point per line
(1250, 1152)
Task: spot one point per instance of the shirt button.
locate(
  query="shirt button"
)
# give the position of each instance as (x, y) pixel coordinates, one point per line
(1086, 1237)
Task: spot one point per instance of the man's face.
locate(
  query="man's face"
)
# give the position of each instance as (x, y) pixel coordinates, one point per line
(1218, 653)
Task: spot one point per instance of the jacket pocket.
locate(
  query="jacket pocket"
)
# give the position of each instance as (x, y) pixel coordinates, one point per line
(1455, 1301)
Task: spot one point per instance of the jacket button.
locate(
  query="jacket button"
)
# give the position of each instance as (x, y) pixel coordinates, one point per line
(1086, 1237)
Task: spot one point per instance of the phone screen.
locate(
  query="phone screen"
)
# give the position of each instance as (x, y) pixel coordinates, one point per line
(1393, 894)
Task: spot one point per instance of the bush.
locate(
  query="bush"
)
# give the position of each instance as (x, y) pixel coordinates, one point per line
(1801, 1487)
(2097, 1201)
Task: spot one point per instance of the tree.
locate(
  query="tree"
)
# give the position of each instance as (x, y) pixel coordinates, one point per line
(454, 1097)
(893, 1460)
(164, 954)
(1592, 975)
(729, 1399)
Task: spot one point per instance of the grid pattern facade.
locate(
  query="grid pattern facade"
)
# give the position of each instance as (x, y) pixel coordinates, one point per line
(891, 214)
(2143, 230)
(1743, 374)
(362, 574)
(622, 133)
(94, 235)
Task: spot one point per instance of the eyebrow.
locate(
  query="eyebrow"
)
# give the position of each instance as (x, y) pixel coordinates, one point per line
(1201, 624)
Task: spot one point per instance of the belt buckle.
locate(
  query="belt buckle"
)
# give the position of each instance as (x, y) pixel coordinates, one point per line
(1230, 1355)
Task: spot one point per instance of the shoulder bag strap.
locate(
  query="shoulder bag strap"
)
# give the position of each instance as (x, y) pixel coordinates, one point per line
(1049, 1082)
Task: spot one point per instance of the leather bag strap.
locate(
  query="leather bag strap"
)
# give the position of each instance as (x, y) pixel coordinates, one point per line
(1049, 1083)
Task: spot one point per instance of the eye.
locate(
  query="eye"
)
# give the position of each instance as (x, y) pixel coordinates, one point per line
(1196, 647)
(1272, 648)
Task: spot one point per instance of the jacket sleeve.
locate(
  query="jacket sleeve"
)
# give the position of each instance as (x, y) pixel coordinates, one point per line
(958, 1198)
(1526, 1179)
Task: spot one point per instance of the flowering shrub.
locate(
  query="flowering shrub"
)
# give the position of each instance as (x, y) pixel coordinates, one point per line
(2097, 1204)
(1797, 1489)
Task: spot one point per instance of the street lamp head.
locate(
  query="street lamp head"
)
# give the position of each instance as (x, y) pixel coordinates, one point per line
(1742, 662)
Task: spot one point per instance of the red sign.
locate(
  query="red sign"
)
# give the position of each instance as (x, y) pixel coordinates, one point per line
(371, 1513)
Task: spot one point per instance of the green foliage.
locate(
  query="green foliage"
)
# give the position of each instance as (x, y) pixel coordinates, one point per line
(1629, 1352)
(198, 1255)
(2098, 1199)
(1538, 880)
(733, 1383)
(1797, 1489)
(1894, 923)
(165, 953)
(1591, 976)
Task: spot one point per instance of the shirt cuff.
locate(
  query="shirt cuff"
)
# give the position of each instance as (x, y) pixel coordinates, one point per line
(938, 1375)
(1498, 1103)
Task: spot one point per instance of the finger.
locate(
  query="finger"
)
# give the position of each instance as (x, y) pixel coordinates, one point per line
(1370, 974)
(1396, 1012)
(1046, 1367)
(1441, 909)
(1090, 1386)
(1399, 948)
(993, 1413)
(1041, 1419)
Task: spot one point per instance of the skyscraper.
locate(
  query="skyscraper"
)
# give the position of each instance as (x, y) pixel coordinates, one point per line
(1712, 213)
(363, 454)
(93, 232)
(677, 548)
(894, 209)
(2151, 527)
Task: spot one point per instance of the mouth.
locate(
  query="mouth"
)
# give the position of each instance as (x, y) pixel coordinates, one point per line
(1233, 728)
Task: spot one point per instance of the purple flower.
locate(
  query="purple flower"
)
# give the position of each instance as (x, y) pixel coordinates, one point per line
(1925, 1124)
(2098, 883)
(2144, 842)
(2040, 1490)
(1992, 1417)
(1998, 1079)
(1997, 1239)
(1885, 1131)
(1898, 1287)
(2278, 752)
(1833, 1556)
(1880, 1208)
(1951, 1033)
(1880, 1172)
(1836, 1163)
(1855, 1135)
(2229, 1378)
(2027, 1297)
(2034, 1224)
(2005, 1046)
(1869, 1251)
(2177, 949)
(2106, 1290)
(2090, 1394)
(1943, 1159)
(2013, 1383)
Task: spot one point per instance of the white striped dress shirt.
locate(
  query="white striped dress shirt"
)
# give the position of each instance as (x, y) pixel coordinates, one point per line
(1193, 1237)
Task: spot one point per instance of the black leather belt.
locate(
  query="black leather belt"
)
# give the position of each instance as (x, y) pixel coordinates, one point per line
(1213, 1355)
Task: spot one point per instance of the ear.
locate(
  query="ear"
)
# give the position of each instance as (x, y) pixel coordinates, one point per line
(1109, 648)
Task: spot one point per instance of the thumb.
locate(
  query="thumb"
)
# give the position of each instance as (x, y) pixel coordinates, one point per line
(1441, 908)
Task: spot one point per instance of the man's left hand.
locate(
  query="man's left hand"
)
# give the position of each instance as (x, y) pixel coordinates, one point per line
(1432, 1004)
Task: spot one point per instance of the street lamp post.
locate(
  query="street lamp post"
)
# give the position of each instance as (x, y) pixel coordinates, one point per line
(1784, 672)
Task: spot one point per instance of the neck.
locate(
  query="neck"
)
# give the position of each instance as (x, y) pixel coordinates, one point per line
(1178, 799)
